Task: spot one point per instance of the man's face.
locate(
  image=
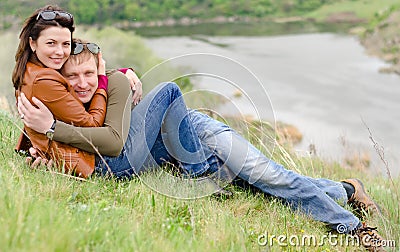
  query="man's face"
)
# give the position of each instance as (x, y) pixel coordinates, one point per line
(82, 77)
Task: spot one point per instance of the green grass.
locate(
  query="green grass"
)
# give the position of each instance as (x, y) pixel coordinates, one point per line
(43, 211)
(366, 9)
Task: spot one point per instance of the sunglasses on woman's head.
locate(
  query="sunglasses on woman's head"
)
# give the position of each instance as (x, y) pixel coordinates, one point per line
(77, 48)
(49, 15)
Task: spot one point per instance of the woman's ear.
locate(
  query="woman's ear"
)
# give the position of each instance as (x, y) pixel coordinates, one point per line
(32, 44)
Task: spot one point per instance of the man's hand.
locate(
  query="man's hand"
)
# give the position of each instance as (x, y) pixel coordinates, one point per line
(136, 85)
(39, 119)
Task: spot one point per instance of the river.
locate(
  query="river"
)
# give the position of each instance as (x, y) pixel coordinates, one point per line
(323, 83)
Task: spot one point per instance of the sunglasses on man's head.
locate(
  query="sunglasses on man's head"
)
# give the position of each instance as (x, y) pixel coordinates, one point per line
(77, 48)
(49, 15)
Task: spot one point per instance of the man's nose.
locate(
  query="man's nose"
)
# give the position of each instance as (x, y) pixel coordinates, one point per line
(82, 83)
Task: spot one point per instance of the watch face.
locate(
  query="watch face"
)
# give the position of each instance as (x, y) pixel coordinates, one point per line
(50, 134)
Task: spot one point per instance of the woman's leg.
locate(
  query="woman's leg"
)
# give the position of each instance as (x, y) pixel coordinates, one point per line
(162, 110)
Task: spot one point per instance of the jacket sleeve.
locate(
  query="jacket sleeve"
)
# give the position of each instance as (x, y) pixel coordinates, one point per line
(60, 98)
(110, 139)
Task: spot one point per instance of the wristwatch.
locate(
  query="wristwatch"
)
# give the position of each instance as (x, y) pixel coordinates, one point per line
(50, 132)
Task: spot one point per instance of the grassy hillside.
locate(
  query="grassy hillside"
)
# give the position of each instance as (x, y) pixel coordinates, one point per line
(42, 211)
(109, 11)
(382, 39)
(362, 9)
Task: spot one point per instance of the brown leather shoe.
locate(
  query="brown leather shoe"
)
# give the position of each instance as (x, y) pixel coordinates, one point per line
(369, 238)
(360, 199)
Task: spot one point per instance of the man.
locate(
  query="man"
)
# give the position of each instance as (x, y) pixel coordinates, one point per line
(233, 155)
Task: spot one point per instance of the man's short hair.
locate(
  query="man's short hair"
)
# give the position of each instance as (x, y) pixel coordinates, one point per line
(83, 56)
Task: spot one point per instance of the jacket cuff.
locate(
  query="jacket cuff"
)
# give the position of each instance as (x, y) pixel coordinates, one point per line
(102, 92)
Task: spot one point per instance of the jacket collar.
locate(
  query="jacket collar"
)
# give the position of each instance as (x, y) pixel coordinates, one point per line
(35, 60)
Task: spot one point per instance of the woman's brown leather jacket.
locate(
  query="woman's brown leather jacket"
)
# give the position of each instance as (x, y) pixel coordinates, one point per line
(50, 87)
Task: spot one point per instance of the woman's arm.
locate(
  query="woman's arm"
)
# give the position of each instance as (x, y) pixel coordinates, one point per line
(66, 107)
(108, 140)
(51, 88)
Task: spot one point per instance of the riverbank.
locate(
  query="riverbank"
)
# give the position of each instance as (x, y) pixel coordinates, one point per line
(342, 17)
(334, 19)
(383, 41)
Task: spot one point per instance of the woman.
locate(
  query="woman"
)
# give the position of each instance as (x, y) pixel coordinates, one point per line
(45, 45)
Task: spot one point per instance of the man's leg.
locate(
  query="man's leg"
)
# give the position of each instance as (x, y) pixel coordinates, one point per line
(312, 196)
(162, 110)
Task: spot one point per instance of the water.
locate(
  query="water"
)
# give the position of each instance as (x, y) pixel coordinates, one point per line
(323, 83)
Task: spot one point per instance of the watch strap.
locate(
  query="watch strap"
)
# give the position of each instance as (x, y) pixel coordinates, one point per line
(50, 132)
(53, 126)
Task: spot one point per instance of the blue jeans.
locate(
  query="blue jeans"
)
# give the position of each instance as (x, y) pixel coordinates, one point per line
(161, 115)
(157, 135)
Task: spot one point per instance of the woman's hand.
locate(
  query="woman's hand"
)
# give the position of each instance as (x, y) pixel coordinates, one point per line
(136, 85)
(34, 161)
(39, 119)
(101, 68)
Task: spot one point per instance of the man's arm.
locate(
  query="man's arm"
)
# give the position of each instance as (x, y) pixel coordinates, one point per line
(110, 139)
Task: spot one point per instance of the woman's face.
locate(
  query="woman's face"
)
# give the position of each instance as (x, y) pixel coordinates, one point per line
(53, 46)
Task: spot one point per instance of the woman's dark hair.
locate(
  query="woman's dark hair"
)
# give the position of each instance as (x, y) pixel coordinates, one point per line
(32, 28)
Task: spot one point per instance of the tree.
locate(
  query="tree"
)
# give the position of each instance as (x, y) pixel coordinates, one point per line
(85, 11)
(133, 12)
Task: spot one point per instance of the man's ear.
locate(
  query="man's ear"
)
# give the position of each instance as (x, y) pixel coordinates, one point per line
(32, 44)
